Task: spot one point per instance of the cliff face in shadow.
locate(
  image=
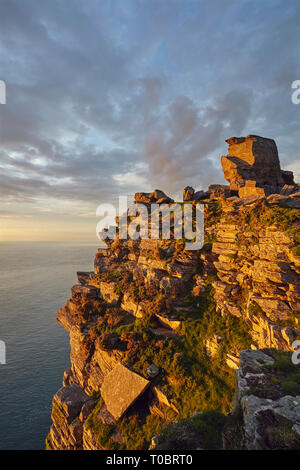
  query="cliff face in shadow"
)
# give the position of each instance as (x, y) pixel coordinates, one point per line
(156, 330)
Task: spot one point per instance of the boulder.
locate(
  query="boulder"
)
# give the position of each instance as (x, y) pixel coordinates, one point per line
(270, 415)
(157, 196)
(288, 177)
(152, 371)
(217, 190)
(256, 159)
(251, 189)
(120, 389)
(188, 193)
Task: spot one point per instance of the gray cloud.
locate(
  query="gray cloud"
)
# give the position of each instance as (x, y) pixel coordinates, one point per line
(149, 89)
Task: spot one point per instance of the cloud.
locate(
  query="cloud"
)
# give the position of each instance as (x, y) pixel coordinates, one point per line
(104, 97)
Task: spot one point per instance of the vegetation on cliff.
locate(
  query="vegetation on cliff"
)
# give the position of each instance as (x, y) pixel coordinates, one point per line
(180, 318)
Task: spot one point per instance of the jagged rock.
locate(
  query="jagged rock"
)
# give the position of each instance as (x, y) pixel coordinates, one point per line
(174, 324)
(199, 195)
(270, 417)
(83, 277)
(107, 291)
(288, 177)
(71, 399)
(80, 292)
(249, 271)
(132, 307)
(289, 189)
(188, 193)
(66, 430)
(157, 196)
(251, 189)
(254, 159)
(218, 190)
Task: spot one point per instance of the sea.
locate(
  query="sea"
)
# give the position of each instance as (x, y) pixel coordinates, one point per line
(35, 280)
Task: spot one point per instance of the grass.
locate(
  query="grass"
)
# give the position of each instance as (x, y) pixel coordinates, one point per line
(137, 433)
(202, 431)
(101, 430)
(264, 214)
(284, 373)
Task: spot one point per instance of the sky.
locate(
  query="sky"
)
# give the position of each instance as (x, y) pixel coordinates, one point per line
(110, 97)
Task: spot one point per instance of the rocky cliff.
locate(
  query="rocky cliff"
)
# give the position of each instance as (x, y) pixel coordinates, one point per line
(265, 414)
(156, 330)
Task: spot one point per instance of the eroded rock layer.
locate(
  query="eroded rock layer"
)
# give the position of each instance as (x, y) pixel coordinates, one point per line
(176, 320)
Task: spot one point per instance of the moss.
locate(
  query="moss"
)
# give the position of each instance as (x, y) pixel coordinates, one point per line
(137, 431)
(209, 426)
(232, 255)
(102, 431)
(291, 385)
(265, 214)
(283, 373)
(212, 213)
(95, 395)
(93, 422)
(278, 431)
(293, 321)
(209, 239)
(283, 438)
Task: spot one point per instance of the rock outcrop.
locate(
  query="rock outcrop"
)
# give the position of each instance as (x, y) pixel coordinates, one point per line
(172, 322)
(252, 166)
(268, 401)
(265, 415)
(157, 196)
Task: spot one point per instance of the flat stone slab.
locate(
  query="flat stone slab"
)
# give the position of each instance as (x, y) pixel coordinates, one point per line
(120, 389)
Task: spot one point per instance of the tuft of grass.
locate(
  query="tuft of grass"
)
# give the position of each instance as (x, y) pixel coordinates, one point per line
(201, 431)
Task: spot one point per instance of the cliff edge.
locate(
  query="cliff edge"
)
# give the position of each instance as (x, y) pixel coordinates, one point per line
(156, 331)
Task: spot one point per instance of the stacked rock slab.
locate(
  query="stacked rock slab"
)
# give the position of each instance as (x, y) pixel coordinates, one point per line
(253, 270)
(252, 166)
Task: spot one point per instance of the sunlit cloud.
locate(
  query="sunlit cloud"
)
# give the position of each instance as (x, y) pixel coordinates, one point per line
(117, 97)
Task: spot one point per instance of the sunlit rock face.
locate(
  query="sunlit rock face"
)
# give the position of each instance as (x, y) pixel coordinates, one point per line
(160, 313)
(252, 162)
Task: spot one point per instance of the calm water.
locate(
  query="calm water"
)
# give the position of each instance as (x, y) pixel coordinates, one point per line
(35, 280)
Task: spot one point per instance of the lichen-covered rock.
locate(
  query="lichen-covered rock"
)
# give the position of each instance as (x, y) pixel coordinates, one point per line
(268, 397)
